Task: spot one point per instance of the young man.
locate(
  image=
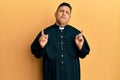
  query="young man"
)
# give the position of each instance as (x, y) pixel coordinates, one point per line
(61, 45)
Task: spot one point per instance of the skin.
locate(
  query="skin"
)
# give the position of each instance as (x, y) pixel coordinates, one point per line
(62, 15)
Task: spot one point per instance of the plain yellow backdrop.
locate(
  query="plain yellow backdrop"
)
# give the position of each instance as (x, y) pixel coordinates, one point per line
(22, 20)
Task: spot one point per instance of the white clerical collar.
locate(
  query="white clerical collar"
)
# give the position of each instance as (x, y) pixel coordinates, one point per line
(61, 28)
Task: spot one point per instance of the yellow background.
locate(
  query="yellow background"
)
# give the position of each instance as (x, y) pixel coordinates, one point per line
(21, 21)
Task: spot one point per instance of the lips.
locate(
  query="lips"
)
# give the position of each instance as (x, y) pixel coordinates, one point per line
(63, 17)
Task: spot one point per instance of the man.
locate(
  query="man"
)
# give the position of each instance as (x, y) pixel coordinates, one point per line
(61, 45)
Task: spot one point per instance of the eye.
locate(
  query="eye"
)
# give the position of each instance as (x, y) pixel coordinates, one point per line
(61, 10)
(67, 12)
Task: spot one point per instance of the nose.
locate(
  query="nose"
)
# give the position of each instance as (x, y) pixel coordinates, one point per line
(64, 13)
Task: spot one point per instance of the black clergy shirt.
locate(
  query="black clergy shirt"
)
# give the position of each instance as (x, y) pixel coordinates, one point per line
(60, 55)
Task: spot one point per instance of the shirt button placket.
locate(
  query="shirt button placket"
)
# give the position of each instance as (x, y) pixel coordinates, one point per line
(62, 59)
(62, 55)
(62, 62)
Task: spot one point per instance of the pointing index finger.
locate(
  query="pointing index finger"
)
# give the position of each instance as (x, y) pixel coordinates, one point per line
(81, 31)
(42, 31)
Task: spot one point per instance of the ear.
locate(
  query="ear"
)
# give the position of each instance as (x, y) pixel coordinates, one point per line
(55, 14)
(69, 16)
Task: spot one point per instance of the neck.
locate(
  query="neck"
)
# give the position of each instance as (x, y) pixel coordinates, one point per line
(60, 25)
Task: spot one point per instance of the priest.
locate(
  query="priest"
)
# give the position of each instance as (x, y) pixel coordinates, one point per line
(61, 45)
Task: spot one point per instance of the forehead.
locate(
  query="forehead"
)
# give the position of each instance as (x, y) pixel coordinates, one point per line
(64, 8)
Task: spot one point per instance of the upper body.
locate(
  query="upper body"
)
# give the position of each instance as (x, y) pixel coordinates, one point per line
(62, 15)
(59, 39)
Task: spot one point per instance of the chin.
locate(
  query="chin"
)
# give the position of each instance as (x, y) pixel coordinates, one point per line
(63, 23)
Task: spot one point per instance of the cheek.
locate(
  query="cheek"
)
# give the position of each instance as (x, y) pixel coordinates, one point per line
(68, 18)
(58, 16)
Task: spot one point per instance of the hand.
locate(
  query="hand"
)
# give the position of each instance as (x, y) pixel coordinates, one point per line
(79, 40)
(43, 39)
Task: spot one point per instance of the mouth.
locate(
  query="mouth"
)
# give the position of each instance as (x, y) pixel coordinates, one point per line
(63, 17)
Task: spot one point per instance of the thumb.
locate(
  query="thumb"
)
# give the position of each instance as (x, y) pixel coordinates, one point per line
(46, 36)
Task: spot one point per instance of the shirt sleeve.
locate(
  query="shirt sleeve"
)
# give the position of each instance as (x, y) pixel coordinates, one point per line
(85, 49)
(36, 49)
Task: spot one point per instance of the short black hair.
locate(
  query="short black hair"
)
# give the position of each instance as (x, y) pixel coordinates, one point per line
(65, 4)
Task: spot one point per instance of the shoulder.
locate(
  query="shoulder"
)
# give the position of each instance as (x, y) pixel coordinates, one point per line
(73, 29)
(49, 29)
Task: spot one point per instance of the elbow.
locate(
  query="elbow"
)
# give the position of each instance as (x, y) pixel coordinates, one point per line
(37, 56)
(84, 54)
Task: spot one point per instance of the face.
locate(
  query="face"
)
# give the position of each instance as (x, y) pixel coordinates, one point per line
(63, 15)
